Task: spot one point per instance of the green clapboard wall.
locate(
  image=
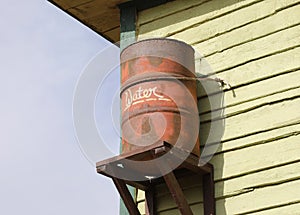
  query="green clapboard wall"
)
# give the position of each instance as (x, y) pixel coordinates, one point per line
(255, 46)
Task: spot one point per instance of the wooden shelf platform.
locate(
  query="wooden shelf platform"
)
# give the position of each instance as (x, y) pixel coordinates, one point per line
(158, 163)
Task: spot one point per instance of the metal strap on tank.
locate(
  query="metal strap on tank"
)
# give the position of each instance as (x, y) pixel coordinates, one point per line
(183, 78)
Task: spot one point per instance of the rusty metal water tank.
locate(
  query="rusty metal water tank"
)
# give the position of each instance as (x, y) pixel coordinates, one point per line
(158, 95)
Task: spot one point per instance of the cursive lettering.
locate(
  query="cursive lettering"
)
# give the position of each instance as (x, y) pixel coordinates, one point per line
(140, 94)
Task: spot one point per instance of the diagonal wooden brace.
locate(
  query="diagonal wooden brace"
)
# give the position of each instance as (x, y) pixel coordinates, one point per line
(177, 194)
(126, 196)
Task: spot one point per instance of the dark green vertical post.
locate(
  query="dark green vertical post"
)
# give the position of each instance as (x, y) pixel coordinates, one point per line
(127, 37)
(127, 24)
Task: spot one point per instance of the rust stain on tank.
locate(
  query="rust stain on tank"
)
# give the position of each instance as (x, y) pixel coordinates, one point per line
(158, 95)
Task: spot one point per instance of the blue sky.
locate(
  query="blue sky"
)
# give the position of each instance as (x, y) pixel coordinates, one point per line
(42, 169)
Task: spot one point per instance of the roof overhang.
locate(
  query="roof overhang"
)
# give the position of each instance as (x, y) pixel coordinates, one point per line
(102, 16)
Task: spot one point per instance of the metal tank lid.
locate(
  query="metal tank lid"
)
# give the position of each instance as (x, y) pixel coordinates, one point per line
(175, 50)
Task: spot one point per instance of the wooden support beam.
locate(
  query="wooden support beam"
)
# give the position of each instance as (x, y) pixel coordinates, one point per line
(128, 14)
(127, 24)
(126, 196)
(209, 193)
(177, 194)
(149, 197)
(192, 163)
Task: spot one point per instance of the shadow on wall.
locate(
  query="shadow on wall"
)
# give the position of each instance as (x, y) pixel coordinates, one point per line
(210, 95)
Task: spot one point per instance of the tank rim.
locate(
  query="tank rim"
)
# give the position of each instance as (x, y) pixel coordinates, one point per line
(158, 39)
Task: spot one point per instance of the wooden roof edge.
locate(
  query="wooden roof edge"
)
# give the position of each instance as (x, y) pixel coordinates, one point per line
(83, 22)
(111, 36)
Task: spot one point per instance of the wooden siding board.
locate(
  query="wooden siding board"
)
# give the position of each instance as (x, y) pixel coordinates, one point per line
(259, 138)
(140, 195)
(250, 32)
(141, 207)
(237, 186)
(243, 184)
(261, 69)
(205, 20)
(247, 123)
(150, 15)
(177, 22)
(286, 209)
(263, 47)
(196, 208)
(246, 15)
(248, 160)
(260, 198)
(251, 105)
(254, 96)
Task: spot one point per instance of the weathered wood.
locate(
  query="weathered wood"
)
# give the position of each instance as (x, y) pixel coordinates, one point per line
(247, 123)
(150, 15)
(259, 138)
(127, 36)
(91, 9)
(101, 16)
(150, 201)
(140, 195)
(196, 208)
(287, 209)
(137, 154)
(127, 24)
(228, 22)
(209, 194)
(192, 195)
(191, 162)
(261, 198)
(186, 183)
(113, 35)
(256, 95)
(183, 24)
(141, 207)
(111, 166)
(259, 150)
(185, 19)
(248, 160)
(249, 14)
(240, 185)
(69, 3)
(100, 24)
(126, 196)
(177, 194)
(255, 49)
(193, 187)
(260, 69)
(249, 32)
